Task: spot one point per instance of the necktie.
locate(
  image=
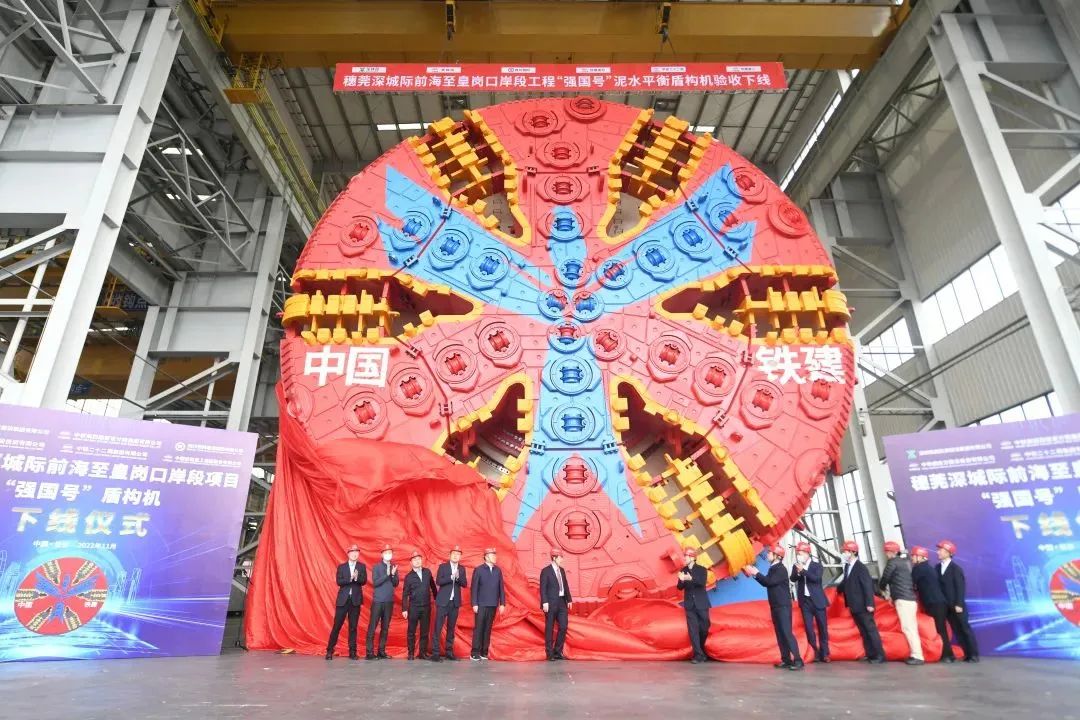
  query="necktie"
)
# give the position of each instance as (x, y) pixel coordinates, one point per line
(453, 577)
(847, 570)
(558, 576)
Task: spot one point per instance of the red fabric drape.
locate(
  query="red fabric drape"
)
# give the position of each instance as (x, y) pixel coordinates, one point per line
(371, 493)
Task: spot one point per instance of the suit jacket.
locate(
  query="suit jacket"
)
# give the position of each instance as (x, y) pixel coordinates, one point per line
(347, 589)
(417, 591)
(694, 595)
(383, 583)
(447, 585)
(776, 583)
(549, 587)
(953, 585)
(858, 588)
(927, 584)
(487, 586)
(810, 579)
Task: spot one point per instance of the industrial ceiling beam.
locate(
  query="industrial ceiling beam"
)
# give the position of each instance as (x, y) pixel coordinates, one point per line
(323, 32)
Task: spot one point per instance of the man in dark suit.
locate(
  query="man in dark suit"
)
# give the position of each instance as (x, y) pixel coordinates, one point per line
(351, 576)
(692, 580)
(931, 598)
(954, 587)
(450, 578)
(487, 594)
(806, 574)
(555, 601)
(858, 591)
(779, 591)
(416, 597)
(384, 579)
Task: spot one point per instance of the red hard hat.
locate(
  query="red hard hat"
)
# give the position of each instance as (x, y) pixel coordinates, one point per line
(556, 552)
(949, 545)
(490, 551)
(387, 547)
(802, 547)
(352, 548)
(777, 549)
(415, 554)
(850, 546)
(456, 548)
(920, 551)
(892, 546)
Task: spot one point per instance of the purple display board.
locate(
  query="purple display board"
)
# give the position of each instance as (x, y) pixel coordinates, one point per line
(117, 537)
(1009, 496)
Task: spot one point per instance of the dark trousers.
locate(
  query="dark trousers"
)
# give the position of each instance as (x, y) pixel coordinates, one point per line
(340, 613)
(812, 616)
(871, 640)
(697, 626)
(380, 614)
(481, 636)
(785, 639)
(445, 614)
(963, 633)
(418, 615)
(939, 614)
(556, 614)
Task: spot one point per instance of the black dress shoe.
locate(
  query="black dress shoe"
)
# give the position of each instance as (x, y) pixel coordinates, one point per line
(383, 656)
(972, 659)
(826, 659)
(558, 656)
(796, 666)
(410, 656)
(354, 656)
(551, 658)
(948, 659)
(782, 665)
(435, 658)
(914, 661)
(877, 661)
(451, 657)
(329, 656)
(369, 656)
(696, 660)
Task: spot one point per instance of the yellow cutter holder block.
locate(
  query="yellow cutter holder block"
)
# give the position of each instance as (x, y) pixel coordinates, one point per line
(653, 161)
(469, 164)
(684, 483)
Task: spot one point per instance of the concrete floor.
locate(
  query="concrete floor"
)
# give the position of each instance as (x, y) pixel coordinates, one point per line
(266, 685)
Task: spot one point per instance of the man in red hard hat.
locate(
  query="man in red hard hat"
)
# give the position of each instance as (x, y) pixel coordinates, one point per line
(692, 580)
(807, 574)
(779, 592)
(419, 588)
(351, 576)
(555, 601)
(450, 578)
(384, 579)
(931, 597)
(954, 588)
(858, 591)
(896, 581)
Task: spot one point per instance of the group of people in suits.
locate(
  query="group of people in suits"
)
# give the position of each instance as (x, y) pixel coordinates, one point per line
(908, 583)
(444, 589)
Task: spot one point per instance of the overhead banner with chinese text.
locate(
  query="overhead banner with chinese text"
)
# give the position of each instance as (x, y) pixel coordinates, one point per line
(117, 537)
(619, 77)
(1009, 496)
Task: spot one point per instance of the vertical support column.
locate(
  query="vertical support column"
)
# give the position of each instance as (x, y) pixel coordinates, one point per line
(153, 36)
(251, 350)
(1015, 213)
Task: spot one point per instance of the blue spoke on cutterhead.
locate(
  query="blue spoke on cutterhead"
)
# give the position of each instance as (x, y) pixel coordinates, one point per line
(573, 418)
(463, 255)
(679, 249)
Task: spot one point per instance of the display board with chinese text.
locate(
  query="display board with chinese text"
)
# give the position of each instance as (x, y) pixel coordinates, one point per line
(118, 537)
(1009, 496)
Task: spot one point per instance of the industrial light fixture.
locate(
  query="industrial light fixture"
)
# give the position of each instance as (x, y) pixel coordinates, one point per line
(666, 104)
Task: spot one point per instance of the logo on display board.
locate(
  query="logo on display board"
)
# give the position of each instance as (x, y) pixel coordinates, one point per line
(1065, 591)
(60, 596)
